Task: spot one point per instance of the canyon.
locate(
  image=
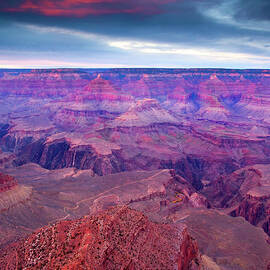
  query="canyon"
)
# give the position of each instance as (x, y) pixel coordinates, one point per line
(185, 151)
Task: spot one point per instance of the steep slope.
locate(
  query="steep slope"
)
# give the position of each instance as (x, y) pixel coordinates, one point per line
(119, 238)
(138, 88)
(229, 190)
(99, 86)
(100, 89)
(246, 193)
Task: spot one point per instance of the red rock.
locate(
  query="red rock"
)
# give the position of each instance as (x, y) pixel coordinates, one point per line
(245, 193)
(144, 113)
(253, 210)
(213, 86)
(178, 94)
(138, 88)
(99, 86)
(228, 190)
(119, 238)
(7, 182)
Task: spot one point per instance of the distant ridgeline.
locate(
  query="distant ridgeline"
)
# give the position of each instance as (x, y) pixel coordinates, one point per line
(154, 83)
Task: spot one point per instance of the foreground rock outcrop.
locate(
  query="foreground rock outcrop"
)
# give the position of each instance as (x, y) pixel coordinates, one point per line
(119, 238)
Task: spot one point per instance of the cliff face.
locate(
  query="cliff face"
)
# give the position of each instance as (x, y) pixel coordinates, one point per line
(236, 91)
(244, 193)
(157, 140)
(229, 190)
(156, 118)
(255, 207)
(254, 210)
(119, 238)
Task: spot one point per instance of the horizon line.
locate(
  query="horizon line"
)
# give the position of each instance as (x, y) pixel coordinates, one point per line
(134, 68)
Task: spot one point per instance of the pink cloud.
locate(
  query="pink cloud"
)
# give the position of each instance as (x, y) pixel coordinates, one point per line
(81, 8)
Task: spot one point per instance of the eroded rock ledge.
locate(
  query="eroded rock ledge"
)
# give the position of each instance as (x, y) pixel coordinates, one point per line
(119, 238)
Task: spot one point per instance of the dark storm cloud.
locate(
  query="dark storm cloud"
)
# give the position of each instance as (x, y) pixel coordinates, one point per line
(194, 24)
(253, 9)
(178, 22)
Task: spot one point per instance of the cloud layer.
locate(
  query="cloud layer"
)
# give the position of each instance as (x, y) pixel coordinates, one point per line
(158, 33)
(81, 8)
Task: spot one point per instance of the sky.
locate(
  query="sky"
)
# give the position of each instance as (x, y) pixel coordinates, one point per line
(135, 33)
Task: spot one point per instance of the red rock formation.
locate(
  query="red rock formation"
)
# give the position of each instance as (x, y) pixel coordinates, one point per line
(7, 182)
(226, 242)
(100, 89)
(212, 86)
(229, 190)
(41, 83)
(245, 193)
(11, 194)
(144, 113)
(119, 238)
(138, 88)
(178, 94)
(99, 86)
(254, 210)
(255, 207)
(205, 124)
(140, 83)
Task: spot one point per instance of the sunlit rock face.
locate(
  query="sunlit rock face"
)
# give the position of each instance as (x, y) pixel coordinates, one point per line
(116, 239)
